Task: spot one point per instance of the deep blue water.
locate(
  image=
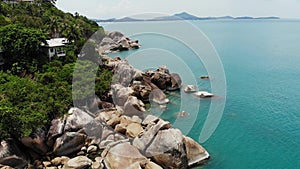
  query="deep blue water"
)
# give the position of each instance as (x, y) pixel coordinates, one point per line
(260, 126)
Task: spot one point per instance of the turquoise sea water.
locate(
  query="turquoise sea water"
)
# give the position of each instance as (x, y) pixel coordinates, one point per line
(260, 126)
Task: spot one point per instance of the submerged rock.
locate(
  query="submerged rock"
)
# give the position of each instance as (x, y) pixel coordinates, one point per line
(190, 89)
(159, 97)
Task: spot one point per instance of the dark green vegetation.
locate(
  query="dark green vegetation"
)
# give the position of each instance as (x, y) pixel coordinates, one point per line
(22, 48)
(40, 20)
(34, 90)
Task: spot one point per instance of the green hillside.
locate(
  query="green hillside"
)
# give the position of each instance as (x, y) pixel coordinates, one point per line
(33, 89)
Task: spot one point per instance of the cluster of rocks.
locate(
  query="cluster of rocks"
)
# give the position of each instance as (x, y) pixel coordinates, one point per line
(122, 136)
(145, 86)
(116, 41)
(108, 139)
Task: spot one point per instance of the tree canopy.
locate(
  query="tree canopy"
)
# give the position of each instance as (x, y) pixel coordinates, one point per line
(27, 104)
(45, 92)
(22, 46)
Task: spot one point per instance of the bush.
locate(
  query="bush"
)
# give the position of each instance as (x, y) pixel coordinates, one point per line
(22, 107)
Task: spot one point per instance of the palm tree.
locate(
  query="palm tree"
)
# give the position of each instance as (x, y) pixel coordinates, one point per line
(72, 32)
(53, 26)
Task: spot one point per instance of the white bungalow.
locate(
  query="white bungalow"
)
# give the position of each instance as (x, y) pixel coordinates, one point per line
(55, 47)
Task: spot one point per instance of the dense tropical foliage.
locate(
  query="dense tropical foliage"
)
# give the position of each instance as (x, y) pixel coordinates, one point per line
(34, 90)
(22, 48)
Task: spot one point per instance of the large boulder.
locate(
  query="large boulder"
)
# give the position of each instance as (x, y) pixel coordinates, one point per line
(120, 94)
(109, 136)
(80, 162)
(160, 77)
(163, 69)
(107, 132)
(125, 44)
(141, 90)
(107, 42)
(116, 41)
(69, 143)
(77, 119)
(107, 114)
(150, 119)
(122, 155)
(121, 128)
(13, 161)
(124, 73)
(168, 149)
(159, 97)
(80, 120)
(11, 154)
(36, 142)
(115, 36)
(161, 80)
(196, 154)
(134, 106)
(55, 131)
(113, 121)
(94, 130)
(133, 130)
(145, 139)
(175, 82)
(164, 80)
(126, 120)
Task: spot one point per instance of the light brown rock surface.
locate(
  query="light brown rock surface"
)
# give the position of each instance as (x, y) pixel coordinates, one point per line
(196, 154)
(133, 130)
(121, 155)
(79, 162)
(168, 150)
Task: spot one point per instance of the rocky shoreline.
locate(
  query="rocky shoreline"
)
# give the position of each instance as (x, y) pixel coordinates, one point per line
(120, 135)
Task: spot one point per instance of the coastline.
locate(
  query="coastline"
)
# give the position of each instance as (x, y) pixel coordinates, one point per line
(119, 134)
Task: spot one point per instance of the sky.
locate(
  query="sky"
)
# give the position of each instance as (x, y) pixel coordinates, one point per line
(104, 9)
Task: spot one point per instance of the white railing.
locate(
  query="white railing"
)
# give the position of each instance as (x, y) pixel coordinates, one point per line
(61, 53)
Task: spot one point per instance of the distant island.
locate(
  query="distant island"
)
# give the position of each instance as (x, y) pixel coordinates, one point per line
(181, 16)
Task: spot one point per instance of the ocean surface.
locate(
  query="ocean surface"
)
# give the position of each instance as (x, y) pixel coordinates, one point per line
(260, 124)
